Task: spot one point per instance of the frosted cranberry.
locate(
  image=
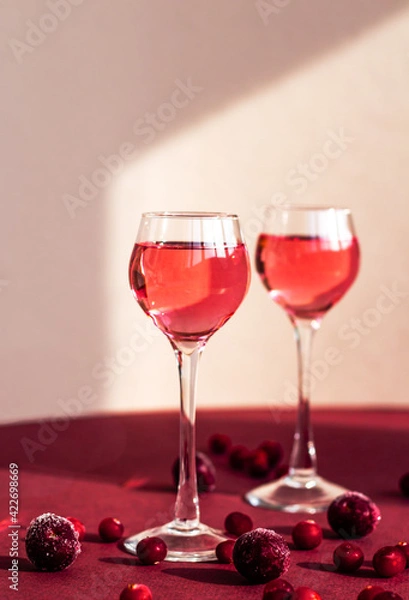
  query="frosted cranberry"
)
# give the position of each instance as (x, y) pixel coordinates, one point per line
(261, 555)
(388, 561)
(205, 473)
(353, 515)
(219, 443)
(388, 596)
(52, 542)
(405, 547)
(277, 589)
(274, 451)
(238, 456)
(256, 463)
(151, 550)
(78, 526)
(348, 557)
(224, 552)
(404, 484)
(238, 523)
(136, 591)
(110, 529)
(305, 593)
(307, 535)
(370, 592)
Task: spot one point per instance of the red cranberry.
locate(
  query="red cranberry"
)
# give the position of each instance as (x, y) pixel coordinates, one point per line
(274, 451)
(353, 515)
(405, 547)
(348, 557)
(78, 526)
(370, 592)
(256, 463)
(274, 588)
(238, 523)
(224, 552)
(261, 555)
(305, 593)
(205, 473)
(388, 596)
(219, 443)
(307, 535)
(388, 561)
(404, 484)
(110, 529)
(52, 542)
(136, 591)
(237, 457)
(151, 550)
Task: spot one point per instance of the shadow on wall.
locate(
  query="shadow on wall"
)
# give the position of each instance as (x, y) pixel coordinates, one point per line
(230, 50)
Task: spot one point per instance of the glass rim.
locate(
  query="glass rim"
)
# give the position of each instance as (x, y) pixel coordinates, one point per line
(310, 207)
(189, 215)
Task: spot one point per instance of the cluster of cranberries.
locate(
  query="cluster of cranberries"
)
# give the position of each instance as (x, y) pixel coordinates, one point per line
(53, 542)
(258, 462)
(260, 555)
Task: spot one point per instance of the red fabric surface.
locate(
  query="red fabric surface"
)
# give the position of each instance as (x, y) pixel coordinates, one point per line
(119, 465)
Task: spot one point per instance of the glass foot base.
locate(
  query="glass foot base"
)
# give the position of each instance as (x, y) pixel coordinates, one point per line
(295, 494)
(184, 545)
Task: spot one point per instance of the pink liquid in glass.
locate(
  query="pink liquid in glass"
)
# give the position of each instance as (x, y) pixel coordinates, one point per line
(306, 275)
(189, 289)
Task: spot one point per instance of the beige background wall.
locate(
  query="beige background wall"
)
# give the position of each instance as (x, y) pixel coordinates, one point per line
(195, 105)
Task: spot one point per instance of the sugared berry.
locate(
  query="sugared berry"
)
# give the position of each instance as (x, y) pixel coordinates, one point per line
(151, 550)
(369, 592)
(277, 589)
(274, 451)
(136, 591)
(348, 557)
(388, 561)
(305, 593)
(353, 515)
(238, 523)
(110, 529)
(307, 535)
(219, 443)
(79, 527)
(404, 484)
(256, 463)
(261, 555)
(238, 456)
(388, 596)
(405, 547)
(224, 552)
(52, 542)
(205, 473)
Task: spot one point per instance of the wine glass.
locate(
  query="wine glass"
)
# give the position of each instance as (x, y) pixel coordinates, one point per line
(189, 271)
(307, 258)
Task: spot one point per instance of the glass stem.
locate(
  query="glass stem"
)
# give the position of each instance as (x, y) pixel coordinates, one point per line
(303, 460)
(187, 515)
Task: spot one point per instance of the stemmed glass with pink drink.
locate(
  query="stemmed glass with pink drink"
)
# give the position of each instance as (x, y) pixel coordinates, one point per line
(189, 272)
(307, 258)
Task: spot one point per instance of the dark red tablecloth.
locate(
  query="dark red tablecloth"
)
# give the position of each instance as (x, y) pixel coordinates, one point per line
(119, 465)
